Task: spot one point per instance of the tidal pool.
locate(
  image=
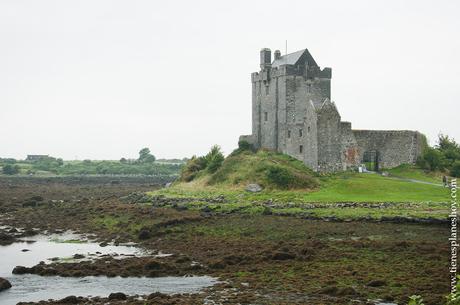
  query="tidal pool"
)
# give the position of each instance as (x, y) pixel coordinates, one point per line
(29, 287)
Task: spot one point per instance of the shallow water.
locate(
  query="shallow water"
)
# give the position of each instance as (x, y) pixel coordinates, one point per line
(45, 247)
(34, 287)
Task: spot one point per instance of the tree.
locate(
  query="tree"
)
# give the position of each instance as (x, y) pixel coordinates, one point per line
(444, 156)
(9, 169)
(449, 149)
(145, 156)
(445, 143)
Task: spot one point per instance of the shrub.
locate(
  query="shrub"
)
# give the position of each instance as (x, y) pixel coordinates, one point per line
(455, 171)
(211, 162)
(432, 159)
(192, 167)
(9, 169)
(415, 300)
(280, 176)
(454, 297)
(8, 160)
(245, 145)
(214, 159)
(47, 164)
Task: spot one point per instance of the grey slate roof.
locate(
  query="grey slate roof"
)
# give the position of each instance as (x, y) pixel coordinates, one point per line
(291, 58)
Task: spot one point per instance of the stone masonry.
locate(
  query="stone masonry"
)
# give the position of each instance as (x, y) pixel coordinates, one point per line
(292, 113)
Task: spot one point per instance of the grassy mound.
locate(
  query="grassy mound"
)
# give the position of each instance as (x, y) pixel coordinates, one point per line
(269, 169)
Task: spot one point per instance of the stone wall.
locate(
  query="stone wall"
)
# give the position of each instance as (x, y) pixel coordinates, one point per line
(350, 150)
(395, 147)
(298, 127)
(329, 138)
(284, 113)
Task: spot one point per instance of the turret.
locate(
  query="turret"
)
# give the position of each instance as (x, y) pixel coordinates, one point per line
(277, 54)
(265, 58)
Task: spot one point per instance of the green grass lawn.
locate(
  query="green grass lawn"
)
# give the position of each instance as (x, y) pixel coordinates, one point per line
(344, 187)
(412, 172)
(408, 199)
(373, 188)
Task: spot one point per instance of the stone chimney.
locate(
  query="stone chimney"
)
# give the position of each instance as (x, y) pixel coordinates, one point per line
(265, 58)
(277, 54)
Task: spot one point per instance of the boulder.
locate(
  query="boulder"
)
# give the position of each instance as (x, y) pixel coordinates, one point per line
(157, 295)
(335, 291)
(144, 234)
(20, 270)
(346, 291)
(117, 296)
(37, 198)
(376, 283)
(331, 290)
(253, 188)
(6, 237)
(282, 256)
(4, 284)
(69, 300)
(153, 265)
(206, 209)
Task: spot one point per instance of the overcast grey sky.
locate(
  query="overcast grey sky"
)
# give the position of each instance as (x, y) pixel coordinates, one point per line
(102, 79)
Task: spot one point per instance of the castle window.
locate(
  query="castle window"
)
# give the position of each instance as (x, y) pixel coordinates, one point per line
(300, 132)
(289, 134)
(265, 116)
(301, 149)
(267, 90)
(308, 88)
(308, 129)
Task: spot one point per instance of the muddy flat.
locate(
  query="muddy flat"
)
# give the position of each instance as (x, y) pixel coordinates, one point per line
(257, 259)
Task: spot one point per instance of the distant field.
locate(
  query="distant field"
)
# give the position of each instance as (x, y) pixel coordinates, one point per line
(98, 167)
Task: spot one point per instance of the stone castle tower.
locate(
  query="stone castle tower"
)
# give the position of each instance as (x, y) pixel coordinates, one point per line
(292, 113)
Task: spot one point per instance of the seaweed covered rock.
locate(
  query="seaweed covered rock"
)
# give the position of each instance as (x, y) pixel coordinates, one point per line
(4, 284)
